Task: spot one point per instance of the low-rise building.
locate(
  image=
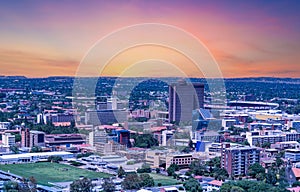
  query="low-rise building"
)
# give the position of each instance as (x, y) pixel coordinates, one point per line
(258, 138)
(182, 160)
(293, 155)
(64, 140)
(4, 125)
(109, 147)
(33, 157)
(157, 158)
(214, 185)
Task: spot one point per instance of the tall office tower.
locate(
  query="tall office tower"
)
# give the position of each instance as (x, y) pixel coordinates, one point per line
(183, 99)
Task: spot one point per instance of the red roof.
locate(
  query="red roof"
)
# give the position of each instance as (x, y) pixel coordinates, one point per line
(198, 177)
(296, 172)
(294, 189)
(216, 183)
(155, 129)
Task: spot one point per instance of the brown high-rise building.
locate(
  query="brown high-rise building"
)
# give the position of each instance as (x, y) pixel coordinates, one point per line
(32, 138)
(25, 137)
(236, 160)
(183, 99)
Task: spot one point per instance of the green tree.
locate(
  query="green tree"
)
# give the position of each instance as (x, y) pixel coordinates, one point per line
(255, 169)
(172, 168)
(296, 184)
(108, 185)
(121, 172)
(147, 180)
(10, 186)
(271, 177)
(145, 141)
(186, 150)
(266, 145)
(220, 174)
(18, 138)
(197, 168)
(14, 149)
(36, 149)
(236, 189)
(81, 185)
(191, 144)
(157, 170)
(214, 162)
(132, 181)
(246, 143)
(250, 186)
(279, 162)
(55, 158)
(144, 169)
(192, 185)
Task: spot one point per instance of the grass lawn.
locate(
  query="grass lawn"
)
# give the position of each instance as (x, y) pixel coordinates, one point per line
(164, 180)
(50, 172)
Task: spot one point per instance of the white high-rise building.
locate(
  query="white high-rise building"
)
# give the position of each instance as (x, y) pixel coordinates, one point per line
(8, 139)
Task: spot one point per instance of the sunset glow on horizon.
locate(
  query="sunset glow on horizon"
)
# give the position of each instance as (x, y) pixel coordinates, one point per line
(247, 38)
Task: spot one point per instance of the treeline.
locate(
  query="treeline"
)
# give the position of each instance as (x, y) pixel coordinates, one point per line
(51, 129)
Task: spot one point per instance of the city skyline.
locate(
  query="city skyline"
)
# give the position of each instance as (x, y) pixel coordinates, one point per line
(247, 39)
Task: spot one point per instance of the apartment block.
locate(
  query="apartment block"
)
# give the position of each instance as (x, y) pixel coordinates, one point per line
(236, 160)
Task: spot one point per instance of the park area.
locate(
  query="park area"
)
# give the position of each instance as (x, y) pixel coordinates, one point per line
(163, 180)
(50, 172)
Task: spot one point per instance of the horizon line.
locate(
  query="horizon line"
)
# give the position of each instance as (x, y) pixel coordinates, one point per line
(67, 76)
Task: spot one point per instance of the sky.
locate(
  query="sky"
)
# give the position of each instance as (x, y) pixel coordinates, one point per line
(246, 38)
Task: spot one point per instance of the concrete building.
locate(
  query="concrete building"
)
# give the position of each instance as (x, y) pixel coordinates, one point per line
(265, 126)
(123, 137)
(8, 139)
(213, 185)
(227, 123)
(64, 140)
(57, 119)
(212, 136)
(236, 160)
(110, 147)
(33, 157)
(137, 154)
(157, 158)
(285, 145)
(98, 136)
(201, 118)
(182, 160)
(105, 117)
(295, 125)
(4, 125)
(293, 155)
(110, 103)
(25, 137)
(258, 138)
(183, 99)
(32, 138)
(118, 135)
(37, 138)
(167, 138)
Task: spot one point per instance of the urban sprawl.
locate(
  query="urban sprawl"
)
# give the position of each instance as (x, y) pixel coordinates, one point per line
(162, 135)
